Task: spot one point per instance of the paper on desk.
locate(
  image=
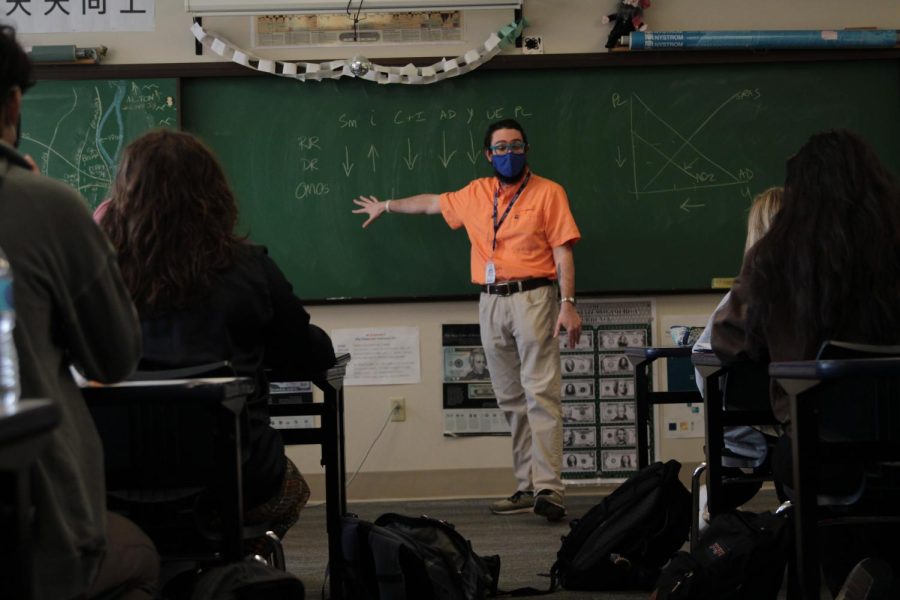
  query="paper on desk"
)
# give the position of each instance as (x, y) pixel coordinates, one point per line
(379, 355)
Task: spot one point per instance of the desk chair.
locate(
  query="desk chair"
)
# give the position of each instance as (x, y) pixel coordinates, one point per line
(330, 436)
(645, 398)
(172, 454)
(222, 368)
(841, 408)
(24, 431)
(736, 395)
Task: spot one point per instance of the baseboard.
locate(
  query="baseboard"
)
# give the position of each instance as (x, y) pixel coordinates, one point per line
(448, 484)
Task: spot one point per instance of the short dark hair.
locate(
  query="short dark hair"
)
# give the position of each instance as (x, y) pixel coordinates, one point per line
(504, 124)
(15, 66)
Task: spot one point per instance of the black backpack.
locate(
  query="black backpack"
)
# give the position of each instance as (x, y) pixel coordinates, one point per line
(413, 558)
(622, 542)
(247, 580)
(740, 556)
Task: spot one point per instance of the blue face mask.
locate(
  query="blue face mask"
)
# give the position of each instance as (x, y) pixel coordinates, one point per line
(509, 165)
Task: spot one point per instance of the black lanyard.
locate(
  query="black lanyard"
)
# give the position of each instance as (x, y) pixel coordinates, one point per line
(508, 208)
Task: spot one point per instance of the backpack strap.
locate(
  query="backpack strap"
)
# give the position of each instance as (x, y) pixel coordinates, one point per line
(386, 556)
(530, 591)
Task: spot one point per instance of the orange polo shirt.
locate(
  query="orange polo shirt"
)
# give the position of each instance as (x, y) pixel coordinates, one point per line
(539, 221)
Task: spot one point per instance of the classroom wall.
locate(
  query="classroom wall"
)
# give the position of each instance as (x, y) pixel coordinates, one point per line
(413, 458)
(566, 26)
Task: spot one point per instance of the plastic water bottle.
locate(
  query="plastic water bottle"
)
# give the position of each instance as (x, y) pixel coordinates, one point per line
(9, 359)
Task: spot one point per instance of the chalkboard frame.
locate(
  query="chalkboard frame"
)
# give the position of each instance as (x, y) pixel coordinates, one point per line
(612, 60)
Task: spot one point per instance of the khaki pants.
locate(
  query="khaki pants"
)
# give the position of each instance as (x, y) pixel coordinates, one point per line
(523, 359)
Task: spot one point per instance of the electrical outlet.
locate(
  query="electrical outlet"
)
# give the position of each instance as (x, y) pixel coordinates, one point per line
(398, 409)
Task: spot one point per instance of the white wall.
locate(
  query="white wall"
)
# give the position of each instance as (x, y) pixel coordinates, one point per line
(567, 26)
(418, 444)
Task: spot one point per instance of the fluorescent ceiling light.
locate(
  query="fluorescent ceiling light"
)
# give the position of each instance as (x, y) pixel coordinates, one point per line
(293, 7)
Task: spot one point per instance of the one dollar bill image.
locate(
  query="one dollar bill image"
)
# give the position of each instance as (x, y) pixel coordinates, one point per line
(617, 388)
(579, 437)
(580, 461)
(577, 365)
(624, 338)
(618, 460)
(585, 342)
(618, 436)
(578, 389)
(612, 412)
(615, 364)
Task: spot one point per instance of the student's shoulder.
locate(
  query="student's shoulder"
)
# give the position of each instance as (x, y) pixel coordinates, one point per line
(255, 258)
(250, 255)
(46, 198)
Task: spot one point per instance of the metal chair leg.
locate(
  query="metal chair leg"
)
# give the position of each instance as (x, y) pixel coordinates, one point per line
(277, 550)
(695, 503)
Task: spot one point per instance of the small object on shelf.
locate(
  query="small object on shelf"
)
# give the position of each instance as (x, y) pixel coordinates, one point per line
(66, 54)
(629, 17)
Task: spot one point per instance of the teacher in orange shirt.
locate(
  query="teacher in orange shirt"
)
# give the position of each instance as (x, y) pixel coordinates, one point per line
(522, 233)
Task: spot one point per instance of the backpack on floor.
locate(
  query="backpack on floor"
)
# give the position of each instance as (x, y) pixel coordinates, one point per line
(247, 580)
(413, 558)
(740, 556)
(622, 542)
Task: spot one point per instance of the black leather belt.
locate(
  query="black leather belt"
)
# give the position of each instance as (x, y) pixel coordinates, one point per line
(507, 288)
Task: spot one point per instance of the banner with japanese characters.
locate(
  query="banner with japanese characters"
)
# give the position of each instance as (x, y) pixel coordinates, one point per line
(67, 16)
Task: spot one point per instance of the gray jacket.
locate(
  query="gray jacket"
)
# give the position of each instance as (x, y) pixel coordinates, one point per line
(71, 308)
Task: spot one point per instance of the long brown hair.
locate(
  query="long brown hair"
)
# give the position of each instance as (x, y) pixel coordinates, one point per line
(171, 219)
(830, 264)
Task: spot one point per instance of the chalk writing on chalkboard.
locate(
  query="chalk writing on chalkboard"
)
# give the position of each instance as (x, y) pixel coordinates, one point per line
(667, 157)
(76, 130)
(659, 164)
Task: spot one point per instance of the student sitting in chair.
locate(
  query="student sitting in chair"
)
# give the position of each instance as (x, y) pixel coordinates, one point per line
(828, 269)
(746, 443)
(205, 294)
(72, 307)
(745, 446)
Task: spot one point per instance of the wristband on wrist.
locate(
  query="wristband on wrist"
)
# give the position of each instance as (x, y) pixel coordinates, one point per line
(570, 299)
(387, 206)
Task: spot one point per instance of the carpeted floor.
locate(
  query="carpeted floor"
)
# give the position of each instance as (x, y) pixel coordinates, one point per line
(527, 544)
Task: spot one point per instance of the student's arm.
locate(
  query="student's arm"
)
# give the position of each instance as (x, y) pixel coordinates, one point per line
(568, 319)
(421, 204)
(703, 343)
(729, 329)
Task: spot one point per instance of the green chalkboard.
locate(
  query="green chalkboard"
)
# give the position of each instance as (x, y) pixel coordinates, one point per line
(660, 163)
(76, 130)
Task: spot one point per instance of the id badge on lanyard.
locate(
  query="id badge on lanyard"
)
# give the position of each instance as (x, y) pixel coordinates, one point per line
(490, 273)
(490, 270)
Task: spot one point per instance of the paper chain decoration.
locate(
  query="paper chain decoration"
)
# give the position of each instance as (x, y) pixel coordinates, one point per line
(361, 67)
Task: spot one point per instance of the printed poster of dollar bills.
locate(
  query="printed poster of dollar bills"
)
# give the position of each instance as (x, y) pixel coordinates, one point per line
(599, 435)
(598, 406)
(470, 407)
